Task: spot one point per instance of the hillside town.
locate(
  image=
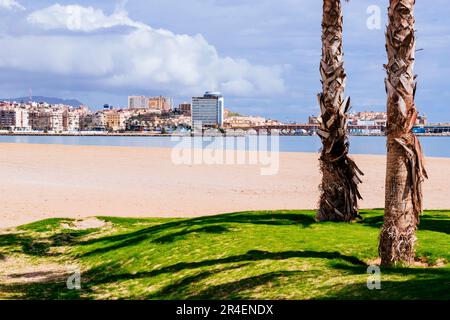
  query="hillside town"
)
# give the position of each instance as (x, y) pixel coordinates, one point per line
(143, 114)
(158, 115)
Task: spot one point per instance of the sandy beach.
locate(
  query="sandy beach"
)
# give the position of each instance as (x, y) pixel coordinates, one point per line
(46, 181)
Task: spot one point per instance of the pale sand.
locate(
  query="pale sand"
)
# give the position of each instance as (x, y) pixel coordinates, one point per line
(44, 181)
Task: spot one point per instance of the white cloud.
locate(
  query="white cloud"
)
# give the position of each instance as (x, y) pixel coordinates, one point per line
(78, 18)
(11, 5)
(141, 58)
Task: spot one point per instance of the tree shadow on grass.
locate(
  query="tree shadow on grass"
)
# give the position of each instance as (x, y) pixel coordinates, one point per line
(69, 238)
(102, 274)
(236, 289)
(180, 288)
(435, 223)
(231, 290)
(24, 244)
(139, 237)
(48, 290)
(215, 229)
(415, 289)
(39, 247)
(421, 283)
(211, 224)
(428, 222)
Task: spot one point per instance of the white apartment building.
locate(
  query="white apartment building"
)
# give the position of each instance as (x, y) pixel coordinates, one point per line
(137, 102)
(72, 121)
(57, 121)
(208, 110)
(99, 121)
(123, 117)
(22, 122)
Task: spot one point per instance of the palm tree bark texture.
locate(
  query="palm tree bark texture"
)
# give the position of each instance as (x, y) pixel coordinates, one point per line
(405, 171)
(340, 174)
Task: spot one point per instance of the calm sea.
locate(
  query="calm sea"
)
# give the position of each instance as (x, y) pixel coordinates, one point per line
(433, 146)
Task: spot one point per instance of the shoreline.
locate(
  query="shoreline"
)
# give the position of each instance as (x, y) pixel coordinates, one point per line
(289, 147)
(165, 148)
(71, 181)
(131, 134)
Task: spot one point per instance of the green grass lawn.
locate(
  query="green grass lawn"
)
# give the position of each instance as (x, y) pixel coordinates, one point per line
(249, 255)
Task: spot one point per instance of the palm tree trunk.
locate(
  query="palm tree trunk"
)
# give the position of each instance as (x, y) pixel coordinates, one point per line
(405, 171)
(340, 179)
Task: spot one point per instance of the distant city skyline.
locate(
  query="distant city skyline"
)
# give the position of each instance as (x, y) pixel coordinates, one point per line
(262, 55)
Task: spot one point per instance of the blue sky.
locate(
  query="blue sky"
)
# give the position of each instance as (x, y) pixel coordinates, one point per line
(262, 54)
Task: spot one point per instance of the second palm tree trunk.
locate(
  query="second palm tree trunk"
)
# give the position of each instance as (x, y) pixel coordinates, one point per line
(340, 175)
(405, 171)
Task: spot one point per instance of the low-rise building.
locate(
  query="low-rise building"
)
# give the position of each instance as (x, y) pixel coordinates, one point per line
(112, 119)
(116, 119)
(244, 122)
(313, 120)
(185, 108)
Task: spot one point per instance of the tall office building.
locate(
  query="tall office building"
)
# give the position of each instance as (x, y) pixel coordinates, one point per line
(208, 110)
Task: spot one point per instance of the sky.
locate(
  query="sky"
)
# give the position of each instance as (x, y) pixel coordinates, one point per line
(263, 55)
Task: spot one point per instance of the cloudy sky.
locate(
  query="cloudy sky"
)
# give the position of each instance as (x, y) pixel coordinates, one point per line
(262, 54)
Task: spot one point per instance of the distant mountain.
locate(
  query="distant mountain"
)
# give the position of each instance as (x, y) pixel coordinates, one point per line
(50, 100)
